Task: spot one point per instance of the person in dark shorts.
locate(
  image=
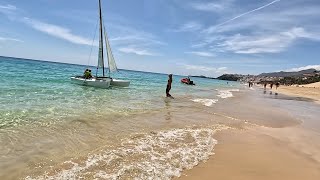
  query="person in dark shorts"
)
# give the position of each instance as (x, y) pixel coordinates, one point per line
(169, 86)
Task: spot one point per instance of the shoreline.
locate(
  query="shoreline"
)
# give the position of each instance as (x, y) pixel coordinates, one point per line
(264, 152)
(311, 91)
(250, 155)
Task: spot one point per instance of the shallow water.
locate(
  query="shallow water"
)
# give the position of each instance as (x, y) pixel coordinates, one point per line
(50, 128)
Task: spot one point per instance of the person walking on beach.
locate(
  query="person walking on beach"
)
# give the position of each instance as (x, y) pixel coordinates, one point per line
(271, 85)
(169, 86)
(250, 84)
(265, 85)
(277, 85)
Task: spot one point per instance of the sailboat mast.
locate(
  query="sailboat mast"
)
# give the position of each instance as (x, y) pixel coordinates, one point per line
(101, 36)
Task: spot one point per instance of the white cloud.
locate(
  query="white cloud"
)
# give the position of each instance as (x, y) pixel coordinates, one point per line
(212, 6)
(189, 27)
(57, 31)
(272, 29)
(10, 39)
(132, 50)
(199, 45)
(126, 32)
(201, 53)
(248, 12)
(136, 39)
(205, 68)
(264, 43)
(8, 7)
(317, 67)
(127, 38)
(126, 35)
(9, 11)
(267, 21)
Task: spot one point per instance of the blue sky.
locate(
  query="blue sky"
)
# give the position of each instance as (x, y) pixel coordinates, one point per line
(198, 37)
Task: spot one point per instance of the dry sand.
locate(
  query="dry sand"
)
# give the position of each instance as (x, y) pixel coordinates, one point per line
(311, 91)
(313, 85)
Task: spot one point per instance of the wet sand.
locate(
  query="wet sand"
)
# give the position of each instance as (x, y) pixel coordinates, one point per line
(282, 145)
(250, 155)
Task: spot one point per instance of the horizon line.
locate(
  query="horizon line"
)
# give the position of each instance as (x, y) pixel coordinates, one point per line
(59, 62)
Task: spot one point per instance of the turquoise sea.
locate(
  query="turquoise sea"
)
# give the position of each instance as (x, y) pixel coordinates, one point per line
(53, 129)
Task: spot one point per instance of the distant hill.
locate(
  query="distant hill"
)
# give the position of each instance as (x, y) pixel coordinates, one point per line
(204, 77)
(288, 74)
(230, 77)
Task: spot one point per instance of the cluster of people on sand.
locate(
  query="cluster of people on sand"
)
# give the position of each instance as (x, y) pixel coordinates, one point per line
(271, 85)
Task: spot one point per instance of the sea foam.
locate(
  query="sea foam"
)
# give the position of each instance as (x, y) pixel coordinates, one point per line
(206, 102)
(226, 93)
(156, 155)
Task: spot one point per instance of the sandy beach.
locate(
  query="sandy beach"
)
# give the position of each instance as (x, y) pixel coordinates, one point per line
(250, 155)
(311, 91)
(266, 151)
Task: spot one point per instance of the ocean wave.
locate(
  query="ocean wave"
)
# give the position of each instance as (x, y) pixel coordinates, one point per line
(206, 102)
(226, 93)
(157, 155)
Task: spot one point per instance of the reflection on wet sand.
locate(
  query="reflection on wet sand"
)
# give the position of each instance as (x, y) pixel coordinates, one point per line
(167, 103)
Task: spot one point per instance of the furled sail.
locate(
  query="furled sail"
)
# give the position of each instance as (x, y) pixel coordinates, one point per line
(111, 61)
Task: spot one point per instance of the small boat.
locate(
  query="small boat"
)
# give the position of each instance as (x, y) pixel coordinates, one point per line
(102, 81)
(119, 82)
(187, 81)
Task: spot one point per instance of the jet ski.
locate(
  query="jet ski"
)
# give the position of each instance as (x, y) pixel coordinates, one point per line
(187, 81)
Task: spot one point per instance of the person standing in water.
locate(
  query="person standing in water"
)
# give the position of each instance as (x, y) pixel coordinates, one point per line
(169, 86)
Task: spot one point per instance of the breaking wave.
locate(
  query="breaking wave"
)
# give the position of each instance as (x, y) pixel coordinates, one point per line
(226, 93)
(156, 155)
(206, 102)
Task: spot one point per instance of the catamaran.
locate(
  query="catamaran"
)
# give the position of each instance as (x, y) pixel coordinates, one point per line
(102, 81)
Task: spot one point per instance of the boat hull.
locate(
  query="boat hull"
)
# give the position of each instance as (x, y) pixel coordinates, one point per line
(120, 83)
(93, 82)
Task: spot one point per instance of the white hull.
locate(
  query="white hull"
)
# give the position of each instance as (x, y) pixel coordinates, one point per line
(120, 83)
(100, 82)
